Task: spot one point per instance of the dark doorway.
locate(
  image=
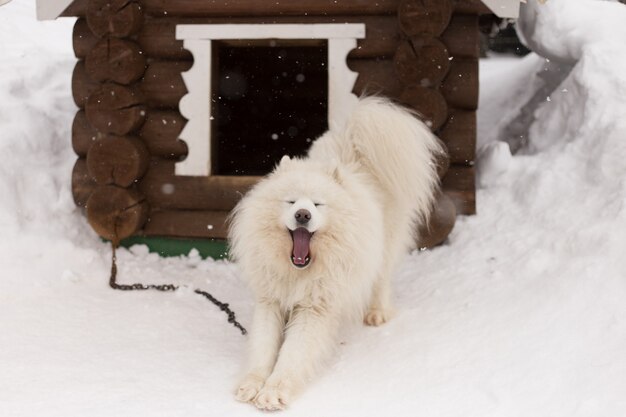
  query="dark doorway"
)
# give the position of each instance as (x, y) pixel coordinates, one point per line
(270, 99)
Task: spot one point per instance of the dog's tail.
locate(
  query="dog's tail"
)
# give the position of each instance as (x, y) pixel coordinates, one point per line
(399, 150)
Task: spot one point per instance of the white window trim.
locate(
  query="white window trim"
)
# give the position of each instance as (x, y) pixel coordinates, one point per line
(196, 105)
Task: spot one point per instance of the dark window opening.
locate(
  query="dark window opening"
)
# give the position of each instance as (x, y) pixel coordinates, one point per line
(270, 99)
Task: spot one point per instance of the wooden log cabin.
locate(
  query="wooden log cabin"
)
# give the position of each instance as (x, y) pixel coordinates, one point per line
(177, 118)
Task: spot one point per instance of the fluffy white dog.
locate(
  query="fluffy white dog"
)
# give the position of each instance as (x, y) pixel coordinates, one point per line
(319, 238)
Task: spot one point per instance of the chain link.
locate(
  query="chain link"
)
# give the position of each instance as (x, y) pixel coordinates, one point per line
(170, 287)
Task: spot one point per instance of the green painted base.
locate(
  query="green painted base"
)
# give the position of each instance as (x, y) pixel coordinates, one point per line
(168, 246)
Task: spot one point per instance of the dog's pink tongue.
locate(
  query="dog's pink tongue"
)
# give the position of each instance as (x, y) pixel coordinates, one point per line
(301, 239)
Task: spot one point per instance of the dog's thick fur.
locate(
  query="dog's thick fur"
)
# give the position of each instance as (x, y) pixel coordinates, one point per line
(365, 189)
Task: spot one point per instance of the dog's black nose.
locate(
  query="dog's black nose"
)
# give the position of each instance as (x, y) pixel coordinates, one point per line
(303, 216)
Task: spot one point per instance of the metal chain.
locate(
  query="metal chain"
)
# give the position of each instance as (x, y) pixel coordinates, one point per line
(170, 287)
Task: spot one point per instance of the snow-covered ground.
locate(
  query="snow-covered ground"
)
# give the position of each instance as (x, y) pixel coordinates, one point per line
(522, 313)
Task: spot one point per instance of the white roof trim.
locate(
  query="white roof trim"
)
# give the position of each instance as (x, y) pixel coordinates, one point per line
(504, 8)
(271, 31)
(51, 9)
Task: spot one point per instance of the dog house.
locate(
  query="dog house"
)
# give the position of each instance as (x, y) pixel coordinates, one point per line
(183, 104)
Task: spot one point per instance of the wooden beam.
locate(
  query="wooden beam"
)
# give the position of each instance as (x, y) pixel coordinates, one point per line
(427, 102)
(424, 17)
(233, 8)
(473, 7)
(460, 87)
(187, 223)
(461, 37)
(165, 190)
(162, 84)
(162, 128)
(117, 18)
(459, 136)
(157, 35)
(159, 134)
(422, 60)
(459, 185)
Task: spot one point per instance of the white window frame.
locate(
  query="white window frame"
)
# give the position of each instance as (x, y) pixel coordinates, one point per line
(196, 105)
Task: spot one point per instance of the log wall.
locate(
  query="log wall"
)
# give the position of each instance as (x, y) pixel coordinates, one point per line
(105, 134)
(127, 83)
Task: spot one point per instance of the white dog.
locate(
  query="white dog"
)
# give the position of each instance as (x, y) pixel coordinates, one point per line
(319, 238)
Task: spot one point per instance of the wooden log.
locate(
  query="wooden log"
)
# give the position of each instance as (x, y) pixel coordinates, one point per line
(187, 223)
(460, 87)
(82, 183)
(83, 134)
(476, 7)
(82, 85)
(115, 109)
(159, 134)
(458, 184)
(116, 213)
(118, 18)
(430, 17)
(440, 223)
(161, 130)
(459, 135)
(442, 161)
(421, 60)
(157, 35)
(213, 224)
(117, 160)
(376, 77)
(83, 39)
(461, 37)
(163, 87)
(162, 84)
(429, 103)
(115, 60)
(192, 8)
(165, 190)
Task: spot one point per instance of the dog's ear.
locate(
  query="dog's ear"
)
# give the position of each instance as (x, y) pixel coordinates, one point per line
(284, 160)
(282, 164)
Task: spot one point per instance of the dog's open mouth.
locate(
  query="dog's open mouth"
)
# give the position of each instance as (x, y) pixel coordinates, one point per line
(301, 253)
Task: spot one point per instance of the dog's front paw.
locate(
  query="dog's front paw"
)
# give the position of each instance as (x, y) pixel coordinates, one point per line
(377, 317)
(272, 398)
(249, 388)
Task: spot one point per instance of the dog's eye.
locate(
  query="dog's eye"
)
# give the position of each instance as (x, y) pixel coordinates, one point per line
(290, 202)
(318, 204)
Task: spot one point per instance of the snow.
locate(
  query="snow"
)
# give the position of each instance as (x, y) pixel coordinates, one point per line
(521, 313)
